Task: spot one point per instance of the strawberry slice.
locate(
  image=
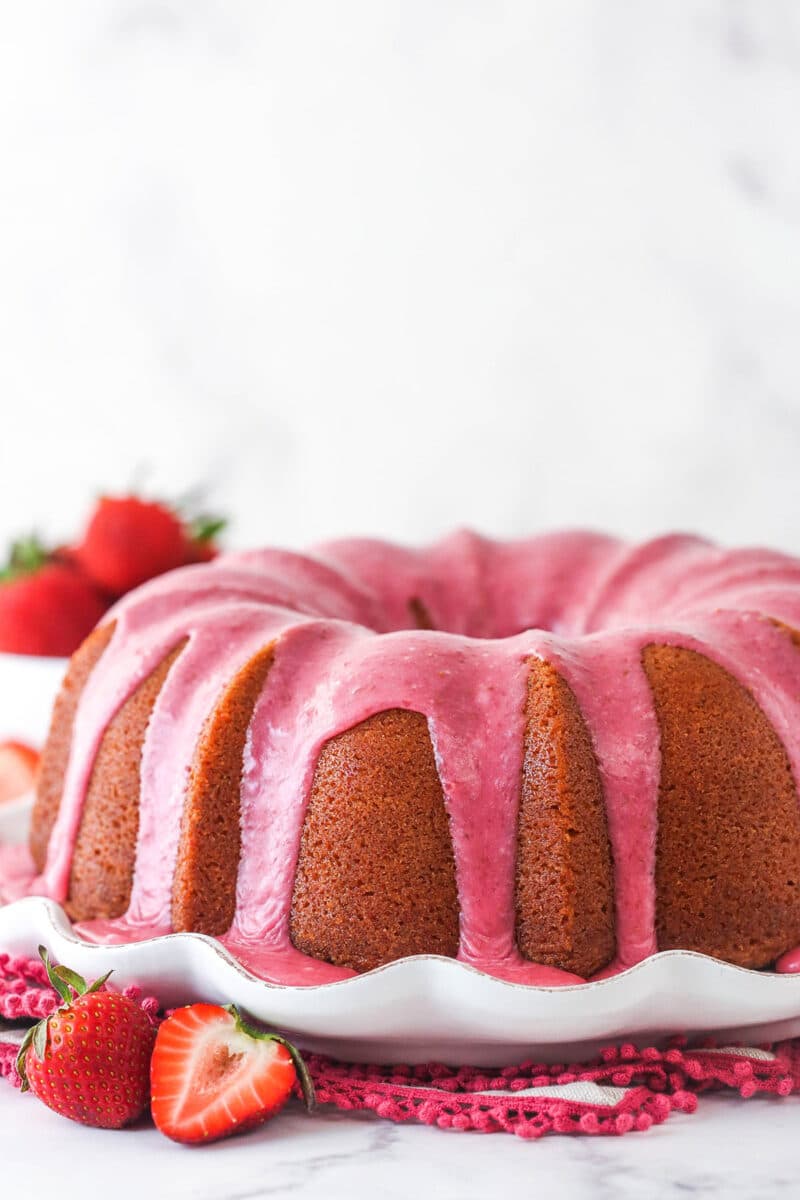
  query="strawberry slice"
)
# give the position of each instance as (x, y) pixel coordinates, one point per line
(213, 1075)
(18, 763)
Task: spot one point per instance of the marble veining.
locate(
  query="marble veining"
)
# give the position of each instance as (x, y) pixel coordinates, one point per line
(345, 1157)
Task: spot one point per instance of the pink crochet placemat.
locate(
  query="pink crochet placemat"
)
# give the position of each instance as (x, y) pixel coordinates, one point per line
(625, 1089)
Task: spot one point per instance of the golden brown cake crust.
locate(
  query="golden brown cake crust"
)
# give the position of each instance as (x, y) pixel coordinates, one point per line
(55, 755)
(564, 877)
(728, 855)
(204, 888)
(376, 875)
(105, 848)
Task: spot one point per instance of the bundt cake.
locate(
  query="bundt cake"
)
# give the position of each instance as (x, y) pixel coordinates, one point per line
(547, 758)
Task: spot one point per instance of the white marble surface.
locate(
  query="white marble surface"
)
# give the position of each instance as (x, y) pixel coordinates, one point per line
(742, 1150)
(392, 267)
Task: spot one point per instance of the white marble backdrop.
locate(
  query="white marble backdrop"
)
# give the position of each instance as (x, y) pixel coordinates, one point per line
(392, 267)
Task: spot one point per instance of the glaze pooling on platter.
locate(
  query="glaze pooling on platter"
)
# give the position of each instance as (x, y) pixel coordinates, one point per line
(340, 622)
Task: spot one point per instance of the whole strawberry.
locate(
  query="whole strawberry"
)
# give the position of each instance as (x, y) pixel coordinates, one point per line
(89, 1060)
(129, 541)
(46, 606)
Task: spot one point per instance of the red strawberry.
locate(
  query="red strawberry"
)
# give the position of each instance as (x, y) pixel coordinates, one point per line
(46, 607)
(89, 1060)
(129, 541)
(18, 764)
(212, 1075)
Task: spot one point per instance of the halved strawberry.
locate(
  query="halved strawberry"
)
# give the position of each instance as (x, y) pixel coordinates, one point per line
(18, 763)
(213, 1075)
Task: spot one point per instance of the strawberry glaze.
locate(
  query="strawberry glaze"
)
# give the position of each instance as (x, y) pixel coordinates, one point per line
(584, 602)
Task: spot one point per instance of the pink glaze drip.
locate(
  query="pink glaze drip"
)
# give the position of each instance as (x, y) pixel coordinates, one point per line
(604, 672)
(789, 963)
(17, 872)
(586, 603)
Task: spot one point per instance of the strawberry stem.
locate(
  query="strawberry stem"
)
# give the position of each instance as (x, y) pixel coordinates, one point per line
(56, 975)
(26, 555)
(62, 978)
(204, 528)
(303, 1074)
(23, 1050)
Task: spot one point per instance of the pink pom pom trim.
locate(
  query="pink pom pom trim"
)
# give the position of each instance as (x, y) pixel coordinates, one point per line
(656, 1082)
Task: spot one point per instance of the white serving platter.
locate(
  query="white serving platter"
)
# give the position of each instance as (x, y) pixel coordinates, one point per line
(428, 1007)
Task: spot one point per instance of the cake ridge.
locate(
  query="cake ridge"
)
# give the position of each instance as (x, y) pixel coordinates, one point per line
(647, 566)
(457, 744)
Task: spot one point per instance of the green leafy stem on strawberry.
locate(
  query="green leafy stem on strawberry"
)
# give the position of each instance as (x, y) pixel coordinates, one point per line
(69, 985)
